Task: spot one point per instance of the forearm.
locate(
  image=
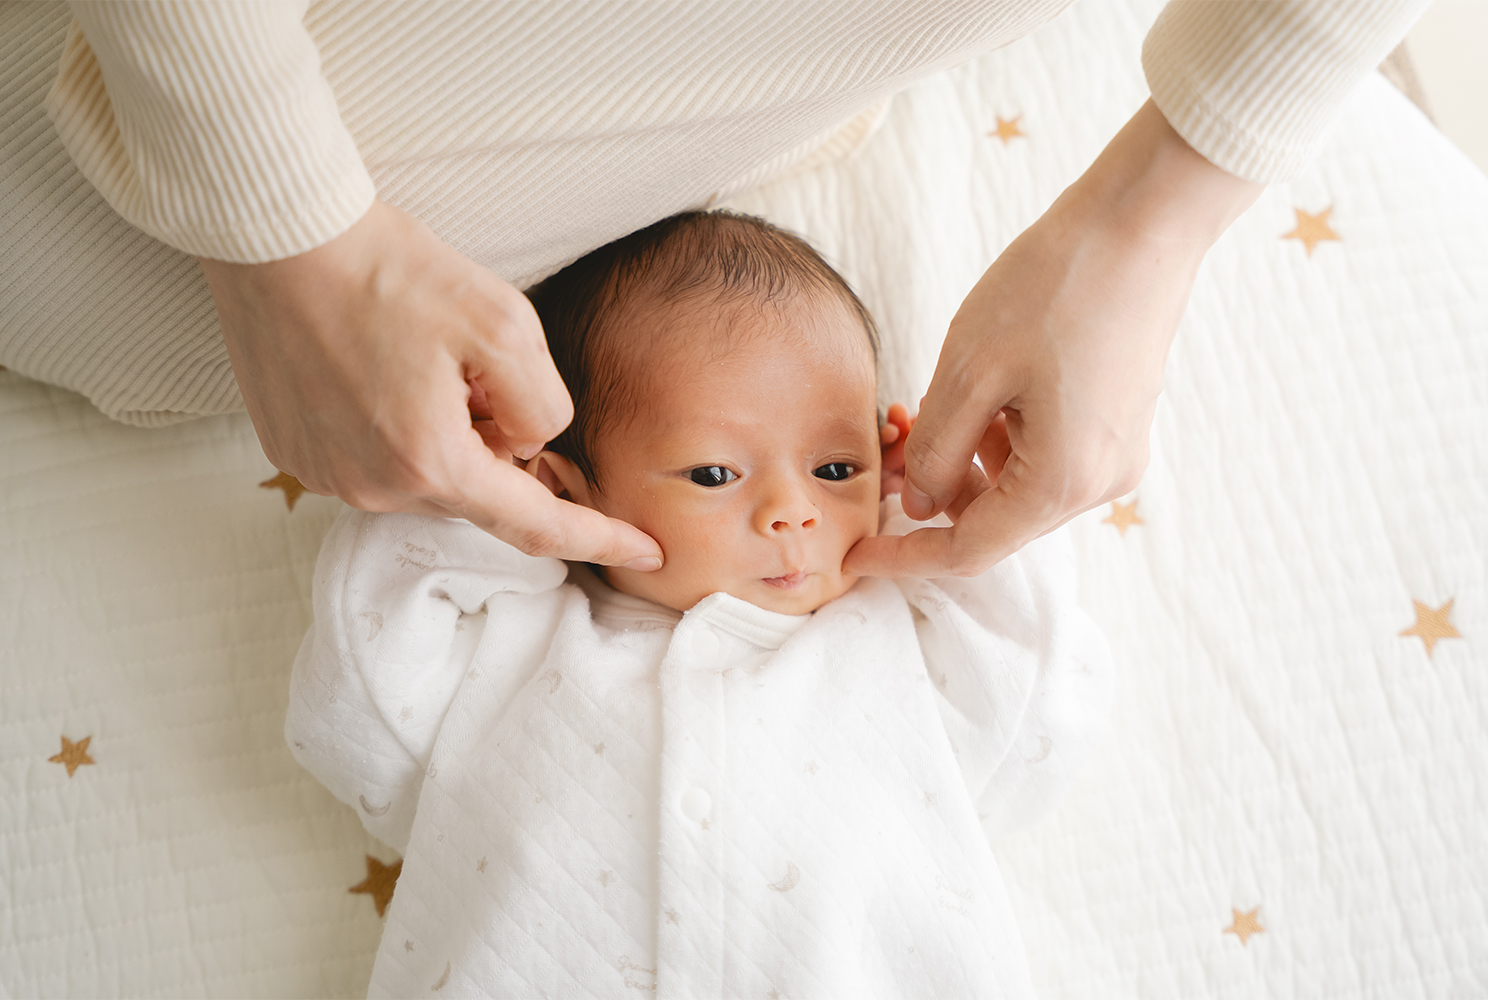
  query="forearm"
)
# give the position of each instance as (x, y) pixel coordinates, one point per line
(1152, 185)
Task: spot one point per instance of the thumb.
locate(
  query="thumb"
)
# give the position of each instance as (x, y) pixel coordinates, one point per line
(953, 418)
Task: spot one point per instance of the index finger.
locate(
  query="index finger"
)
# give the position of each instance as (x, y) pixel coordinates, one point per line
(505, 501)
(953, 417)
(993, 526)
(520, 387)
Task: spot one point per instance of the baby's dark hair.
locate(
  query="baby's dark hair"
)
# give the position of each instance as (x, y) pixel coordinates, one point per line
(726, 255)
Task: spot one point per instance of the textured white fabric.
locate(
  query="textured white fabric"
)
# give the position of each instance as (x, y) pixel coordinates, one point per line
(524, 134)
(593, 792)
(1318, 463)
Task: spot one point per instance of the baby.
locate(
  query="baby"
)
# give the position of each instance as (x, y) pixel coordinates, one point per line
(747, 774)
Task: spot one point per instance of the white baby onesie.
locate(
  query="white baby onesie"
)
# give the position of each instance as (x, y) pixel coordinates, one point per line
(596, 795)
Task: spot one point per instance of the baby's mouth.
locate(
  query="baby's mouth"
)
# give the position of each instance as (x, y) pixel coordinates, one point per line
(789, 581)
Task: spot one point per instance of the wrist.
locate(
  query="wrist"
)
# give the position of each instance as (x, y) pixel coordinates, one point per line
(1152, 184)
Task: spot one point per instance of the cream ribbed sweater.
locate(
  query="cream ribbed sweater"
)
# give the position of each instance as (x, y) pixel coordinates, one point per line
(524, 134)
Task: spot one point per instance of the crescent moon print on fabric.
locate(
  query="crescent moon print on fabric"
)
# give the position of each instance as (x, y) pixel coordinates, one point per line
(1045, 745)
(372, 810)
(786, 884)
(439, 983)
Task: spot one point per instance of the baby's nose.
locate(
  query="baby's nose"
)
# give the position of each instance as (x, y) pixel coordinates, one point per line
(788, 507)
(807, 522)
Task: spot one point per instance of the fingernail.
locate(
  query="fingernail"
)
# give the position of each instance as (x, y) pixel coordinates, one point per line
(916, 504)
(528, 452)
(645, 564)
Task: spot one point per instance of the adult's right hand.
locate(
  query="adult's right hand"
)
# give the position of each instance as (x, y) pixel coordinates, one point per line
(363, 362)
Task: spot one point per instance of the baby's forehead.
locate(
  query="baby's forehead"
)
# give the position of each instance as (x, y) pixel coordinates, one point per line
(739, 364)
(668, 336)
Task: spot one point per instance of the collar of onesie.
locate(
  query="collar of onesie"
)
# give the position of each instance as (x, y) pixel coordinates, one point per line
(718, 612)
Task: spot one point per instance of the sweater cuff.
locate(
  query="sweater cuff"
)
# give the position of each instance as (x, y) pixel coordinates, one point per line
(1255, 85)
(209, 126)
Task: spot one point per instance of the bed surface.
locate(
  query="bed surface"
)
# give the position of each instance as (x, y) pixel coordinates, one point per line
(1291, 798)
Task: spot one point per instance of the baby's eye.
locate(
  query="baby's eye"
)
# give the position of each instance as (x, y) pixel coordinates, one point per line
(712, 475)
(835, 471)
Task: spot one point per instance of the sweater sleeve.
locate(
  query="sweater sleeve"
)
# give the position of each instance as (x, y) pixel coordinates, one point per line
(209, 125)
(1255, 85)
(399, 603)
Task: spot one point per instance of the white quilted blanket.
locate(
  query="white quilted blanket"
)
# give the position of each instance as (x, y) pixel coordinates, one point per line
(1290, 800)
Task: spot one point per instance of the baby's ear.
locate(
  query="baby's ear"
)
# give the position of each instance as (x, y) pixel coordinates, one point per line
(561, 476)
(891, 438)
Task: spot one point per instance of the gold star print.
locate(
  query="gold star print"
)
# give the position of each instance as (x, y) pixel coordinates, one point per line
(380, 882)
(1431, 624)
(703, 823)
(1312, 229)
(480, 866)
(1123, 515)
(599, 747)
(673, 917)
(74, 755)
(1008, 130)
(606, 878)
(289, 484)
(1244, 924)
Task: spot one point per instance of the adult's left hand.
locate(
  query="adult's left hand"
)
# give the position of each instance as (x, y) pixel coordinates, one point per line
(1052, 366)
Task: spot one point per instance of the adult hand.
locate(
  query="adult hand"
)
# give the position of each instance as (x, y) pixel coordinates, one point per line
(387, 369)
(1052, 366)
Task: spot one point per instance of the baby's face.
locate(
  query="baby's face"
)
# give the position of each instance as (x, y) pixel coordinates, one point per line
(755, 466)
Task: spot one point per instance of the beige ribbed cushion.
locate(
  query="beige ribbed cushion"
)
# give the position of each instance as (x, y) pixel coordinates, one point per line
(524, 134)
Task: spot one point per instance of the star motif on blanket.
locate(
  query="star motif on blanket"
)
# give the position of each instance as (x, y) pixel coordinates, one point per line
(1312, 229)
(599, 748)
(1007, 130)
(380, 881)
(1432, 624)
(74, 755)
(289, 484)
(480, 866)
(1244, 924)
(1123, 515)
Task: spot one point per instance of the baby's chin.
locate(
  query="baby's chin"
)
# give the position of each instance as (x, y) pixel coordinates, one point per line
(794, 596)
(799, 594)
